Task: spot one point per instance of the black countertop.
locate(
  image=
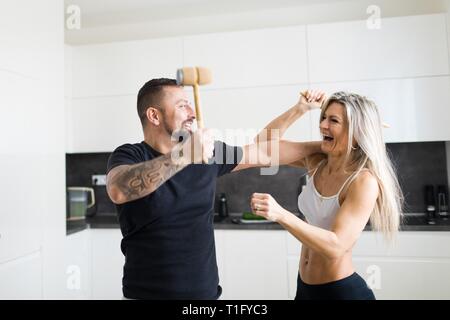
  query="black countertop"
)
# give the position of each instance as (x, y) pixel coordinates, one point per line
(103, 221)
(108, 221)
(410, 223)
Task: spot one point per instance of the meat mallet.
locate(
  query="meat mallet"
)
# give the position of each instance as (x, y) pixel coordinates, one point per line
(195, 76)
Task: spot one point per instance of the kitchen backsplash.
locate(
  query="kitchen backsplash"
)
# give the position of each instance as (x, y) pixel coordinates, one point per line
(79, 170)
(417, 165)
(284, 187)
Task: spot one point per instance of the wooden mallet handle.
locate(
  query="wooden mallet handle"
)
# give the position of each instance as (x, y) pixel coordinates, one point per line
(198, 109)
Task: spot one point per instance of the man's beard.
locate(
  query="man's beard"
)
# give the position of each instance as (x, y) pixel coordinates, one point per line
(177, 134)
(167, 127)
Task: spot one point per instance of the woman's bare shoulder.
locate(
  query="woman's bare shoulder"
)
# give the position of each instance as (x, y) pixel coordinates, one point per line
(363, 181)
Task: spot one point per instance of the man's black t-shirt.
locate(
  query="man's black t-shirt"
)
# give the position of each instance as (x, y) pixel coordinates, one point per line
(168, 236)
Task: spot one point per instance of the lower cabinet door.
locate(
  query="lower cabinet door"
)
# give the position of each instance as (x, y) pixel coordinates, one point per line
(107, 264)
(405, 278)
(255, 264)
(21, 279)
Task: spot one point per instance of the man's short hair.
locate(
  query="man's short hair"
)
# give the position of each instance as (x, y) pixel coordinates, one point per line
(150, 95)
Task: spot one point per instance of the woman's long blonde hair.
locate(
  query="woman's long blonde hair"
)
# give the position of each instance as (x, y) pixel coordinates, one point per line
(365, 128)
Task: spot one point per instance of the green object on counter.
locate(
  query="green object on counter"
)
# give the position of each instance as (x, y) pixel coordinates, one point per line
(251, 216)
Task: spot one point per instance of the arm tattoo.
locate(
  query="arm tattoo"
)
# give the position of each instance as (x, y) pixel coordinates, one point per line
(141, 179)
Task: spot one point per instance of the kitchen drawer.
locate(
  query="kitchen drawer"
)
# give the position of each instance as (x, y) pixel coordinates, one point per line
(294, 247)
(408, 244)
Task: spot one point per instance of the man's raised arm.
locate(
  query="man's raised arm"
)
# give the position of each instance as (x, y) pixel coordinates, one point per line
(126, 183)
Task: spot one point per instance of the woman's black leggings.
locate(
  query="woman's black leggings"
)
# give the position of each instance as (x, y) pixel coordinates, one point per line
(351, 288)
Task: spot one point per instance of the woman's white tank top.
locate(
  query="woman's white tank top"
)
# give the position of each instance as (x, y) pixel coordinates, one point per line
(318, 210)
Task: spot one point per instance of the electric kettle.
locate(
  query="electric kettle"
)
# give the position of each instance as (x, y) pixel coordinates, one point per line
(80, 199)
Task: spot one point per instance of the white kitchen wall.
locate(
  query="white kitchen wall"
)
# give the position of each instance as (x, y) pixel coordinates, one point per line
(32, 214)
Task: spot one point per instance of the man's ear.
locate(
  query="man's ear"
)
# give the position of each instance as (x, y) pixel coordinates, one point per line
(153, 116)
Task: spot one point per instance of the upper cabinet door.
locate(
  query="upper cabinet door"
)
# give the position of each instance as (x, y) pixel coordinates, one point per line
(448, 33)
(29, 41)
(67, 72)
(415, 109)
(122, 68)
(250, 58)
(403, 47)
(240, 114)
(101, 124)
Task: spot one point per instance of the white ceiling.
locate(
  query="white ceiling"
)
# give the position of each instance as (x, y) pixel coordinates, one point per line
(97, 13)
(122, 20)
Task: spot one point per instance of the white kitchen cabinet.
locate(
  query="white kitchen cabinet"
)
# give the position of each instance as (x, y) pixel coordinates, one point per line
(21, 212)
(78, 266)
(102, 112)
(403, 47)
(294, 248)
(266, 57)
(409, 244)
(239, 114)
(107, 264)
(415, 267)
(68, 61)
(21, 278)
(292, 274)
(219, 236)
(263, 264)
(257, 74)
(101, 124)
(406, 278)
(32, 153)
(255, 264)
(31, 82)
(122, 68)
(29, 37)
(416, 109)
(69, 119)
(22, 208)
(448, 27)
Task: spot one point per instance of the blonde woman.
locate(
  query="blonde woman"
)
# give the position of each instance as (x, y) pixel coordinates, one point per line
(353, 182)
